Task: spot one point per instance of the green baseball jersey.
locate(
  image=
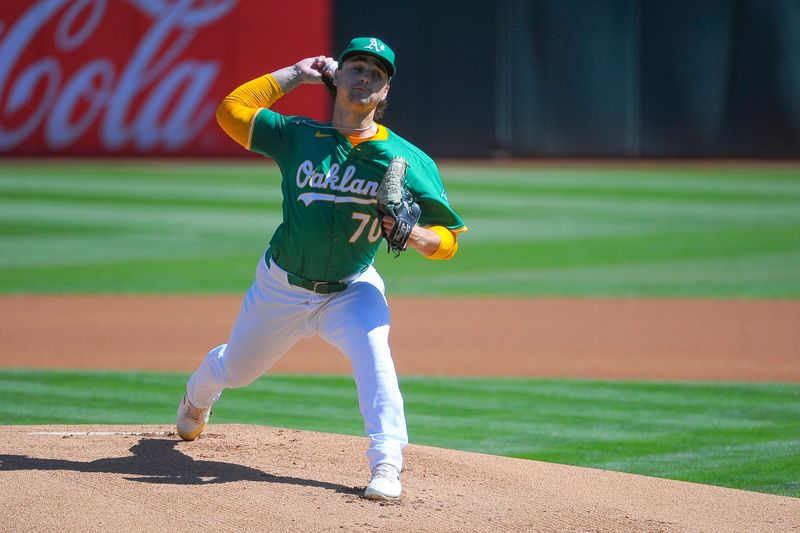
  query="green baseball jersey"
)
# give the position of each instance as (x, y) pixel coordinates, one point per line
(331, 227)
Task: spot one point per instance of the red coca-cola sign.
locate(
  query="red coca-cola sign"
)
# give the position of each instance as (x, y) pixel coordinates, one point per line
(129, 77)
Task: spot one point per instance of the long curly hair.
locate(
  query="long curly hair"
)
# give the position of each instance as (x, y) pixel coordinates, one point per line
(327, 79)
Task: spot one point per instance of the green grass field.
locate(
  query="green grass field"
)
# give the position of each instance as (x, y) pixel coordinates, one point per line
(633, 231)
(77, 226)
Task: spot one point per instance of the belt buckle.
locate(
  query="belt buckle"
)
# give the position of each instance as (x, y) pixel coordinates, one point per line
(318, 283)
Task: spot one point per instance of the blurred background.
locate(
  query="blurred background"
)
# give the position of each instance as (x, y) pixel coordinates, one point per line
(511, 78)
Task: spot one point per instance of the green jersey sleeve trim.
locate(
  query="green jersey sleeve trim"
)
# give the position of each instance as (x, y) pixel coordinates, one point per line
(252, 127)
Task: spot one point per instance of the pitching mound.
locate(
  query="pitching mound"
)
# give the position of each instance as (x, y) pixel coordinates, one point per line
(248, 478)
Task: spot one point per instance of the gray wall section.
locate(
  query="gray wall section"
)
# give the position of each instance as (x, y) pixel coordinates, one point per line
(442, 96)
(588, 78)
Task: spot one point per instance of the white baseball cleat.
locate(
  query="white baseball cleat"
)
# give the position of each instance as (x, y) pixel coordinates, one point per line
(385, 484)
(191, 420)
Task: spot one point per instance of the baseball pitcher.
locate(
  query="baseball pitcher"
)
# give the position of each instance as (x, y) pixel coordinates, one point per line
(347, 186)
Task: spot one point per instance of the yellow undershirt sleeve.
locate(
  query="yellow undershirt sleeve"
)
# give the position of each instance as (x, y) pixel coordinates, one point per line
(236, 112)
(449, 245)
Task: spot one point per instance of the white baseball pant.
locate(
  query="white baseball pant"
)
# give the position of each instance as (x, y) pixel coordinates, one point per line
(275, 315)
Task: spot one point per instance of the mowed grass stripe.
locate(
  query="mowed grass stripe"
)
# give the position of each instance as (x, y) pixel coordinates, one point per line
(640, 191)
(527, 206)
(760, 179)
(107, 198)
(557, 225)
(179, 219)
(168, 189)
(731, 434)
(142, 170)
(206, 270)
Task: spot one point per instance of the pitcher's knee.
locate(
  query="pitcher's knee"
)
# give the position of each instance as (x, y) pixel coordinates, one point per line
(228, 373)
(235, 382)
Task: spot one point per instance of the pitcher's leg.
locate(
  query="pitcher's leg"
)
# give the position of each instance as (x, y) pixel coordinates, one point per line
(357, 323)
(270, 322)
(379, 398)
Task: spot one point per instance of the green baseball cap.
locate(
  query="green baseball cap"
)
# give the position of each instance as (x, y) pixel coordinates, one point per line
(370, 46)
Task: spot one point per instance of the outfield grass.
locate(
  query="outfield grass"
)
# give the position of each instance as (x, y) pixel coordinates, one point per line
(735, 435)
(681, 231)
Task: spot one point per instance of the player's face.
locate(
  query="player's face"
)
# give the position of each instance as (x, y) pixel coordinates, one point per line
(362, 81)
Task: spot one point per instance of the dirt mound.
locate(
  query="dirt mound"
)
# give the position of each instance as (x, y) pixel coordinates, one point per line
(249, 478)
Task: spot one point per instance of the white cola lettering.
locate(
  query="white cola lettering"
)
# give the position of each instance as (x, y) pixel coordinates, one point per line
(307, 176)
(171, 92)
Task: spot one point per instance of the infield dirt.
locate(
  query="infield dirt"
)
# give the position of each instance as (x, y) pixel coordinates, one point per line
(586, 338)
(246, 478)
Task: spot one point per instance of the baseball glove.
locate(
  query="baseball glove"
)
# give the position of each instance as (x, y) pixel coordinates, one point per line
(396, 201)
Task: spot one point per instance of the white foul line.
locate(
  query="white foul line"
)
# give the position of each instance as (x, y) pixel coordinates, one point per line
(96, 433)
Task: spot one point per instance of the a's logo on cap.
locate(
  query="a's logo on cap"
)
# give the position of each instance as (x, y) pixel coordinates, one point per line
(375, 44)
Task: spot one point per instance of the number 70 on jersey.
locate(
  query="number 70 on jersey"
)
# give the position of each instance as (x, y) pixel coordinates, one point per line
(375, 230)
